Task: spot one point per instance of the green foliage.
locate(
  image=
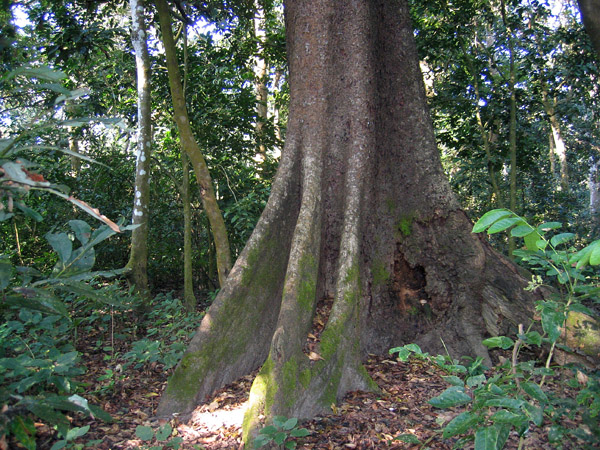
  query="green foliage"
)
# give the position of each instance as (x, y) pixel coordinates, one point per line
(162, 436)
(282, 433)
(512, 397)
(39, 365)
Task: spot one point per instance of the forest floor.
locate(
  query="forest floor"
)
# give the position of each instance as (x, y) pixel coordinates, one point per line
(363, 420)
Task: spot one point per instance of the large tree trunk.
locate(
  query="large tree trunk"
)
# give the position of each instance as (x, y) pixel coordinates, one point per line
(590, 14)
(362, 245)
(138, 257)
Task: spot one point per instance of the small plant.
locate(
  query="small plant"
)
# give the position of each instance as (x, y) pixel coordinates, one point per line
(281, 433)
(512, 397)
(162, 436)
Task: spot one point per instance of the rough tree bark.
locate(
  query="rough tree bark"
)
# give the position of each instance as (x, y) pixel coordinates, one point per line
(138, 257)
(362, 245)
(590, 14)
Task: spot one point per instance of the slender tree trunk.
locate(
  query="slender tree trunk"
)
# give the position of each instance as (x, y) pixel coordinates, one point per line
(558, 143)
(260, 77)
(190, 146)
(138, 258)
(189, 299)
(362, 244)
(485, 135)
(512, 138)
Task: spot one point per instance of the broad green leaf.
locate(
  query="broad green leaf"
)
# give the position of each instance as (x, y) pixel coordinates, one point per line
(549, 226)
(595, 254)
(531, 338)
(551, 323)
(504, 416)
(499, 341)
(290, 444)
(408, 438)
(299, 432)
(454, 380)
(164, 432)
(144, 433)
(522, 230)
(269, 430)
(82, 230)
(535, 413)
(279, 437)
(476, 380)
(289, 424)
(6, 273)
(491, 438)
(59, 444)
(460, 424)
(504, 402)
(561, 239)
(30, 212)
(62, 245)
(489, 218)
(504, 224)
(453, 396)
(77, 432)
(531, 241)
(534, 391)
(42, 72)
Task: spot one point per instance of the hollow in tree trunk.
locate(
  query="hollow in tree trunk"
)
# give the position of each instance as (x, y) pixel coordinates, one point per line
(362, 245)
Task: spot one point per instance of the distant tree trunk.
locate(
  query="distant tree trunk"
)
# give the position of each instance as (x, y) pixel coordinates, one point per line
(552, 155)
(362, 244)
(590, 13)
(189, 299)
(485, 134)
(190, 146)
(260, 79)
(558, 142)
(138, 258)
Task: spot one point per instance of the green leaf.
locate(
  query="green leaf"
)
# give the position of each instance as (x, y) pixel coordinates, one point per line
(499, 341)
(460, 424)
(522, 230)
(408, 438)
(144, 433)
(289, 424)
(549, 226)
(30, 212)
(61, 244)
(59, 444)
(531, 241)
(6, 273)
(82, 230)
(279, 437)
(299, 432)
(164, 432)
(551, 322)
(561, 239)
(504, 224)
(453, 396)
(504, 416)
(534, 391)
(504, 402)
(454, 380)
(476, 380)
(535, 414)
(77, 432)
(290, 444)
(595, 254)
(532, 338)
(491, 438)
(269, 430)
(489, 218)
(262, 440)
